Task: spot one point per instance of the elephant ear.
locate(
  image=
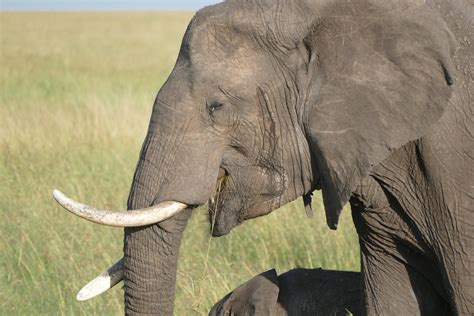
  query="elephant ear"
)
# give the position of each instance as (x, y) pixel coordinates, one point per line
(373, 84)
(257, 296)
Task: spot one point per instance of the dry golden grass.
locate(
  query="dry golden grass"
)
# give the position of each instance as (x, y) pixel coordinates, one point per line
(76, 91)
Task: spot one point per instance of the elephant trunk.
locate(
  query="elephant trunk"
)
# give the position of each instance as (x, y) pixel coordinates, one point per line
(151, 252)
(174, 166)
(151, 255)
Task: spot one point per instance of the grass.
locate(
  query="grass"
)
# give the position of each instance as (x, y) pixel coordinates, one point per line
(76, 91)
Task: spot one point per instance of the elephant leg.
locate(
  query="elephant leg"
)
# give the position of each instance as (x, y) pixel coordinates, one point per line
(397, 276)
(433, 213)
(456, 264)
(391, 287)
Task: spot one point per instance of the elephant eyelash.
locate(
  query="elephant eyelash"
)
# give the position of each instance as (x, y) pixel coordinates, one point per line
(214, 106)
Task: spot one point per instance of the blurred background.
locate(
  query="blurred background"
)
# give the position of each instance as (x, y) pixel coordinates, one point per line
(77, 83)
(105, 4)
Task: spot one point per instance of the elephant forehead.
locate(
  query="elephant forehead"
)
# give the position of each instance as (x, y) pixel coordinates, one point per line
(210, 58)
(217, 50)
(232, 72)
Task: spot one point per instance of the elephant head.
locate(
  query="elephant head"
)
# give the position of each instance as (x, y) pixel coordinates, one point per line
(268, 101)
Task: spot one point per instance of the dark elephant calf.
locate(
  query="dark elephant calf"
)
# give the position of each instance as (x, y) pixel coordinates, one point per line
(296, 292)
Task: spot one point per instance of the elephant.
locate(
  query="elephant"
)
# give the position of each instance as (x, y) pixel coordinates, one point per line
(298, 292)
(369, 101)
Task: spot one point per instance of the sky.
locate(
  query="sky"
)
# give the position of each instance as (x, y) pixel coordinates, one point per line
(47, 5)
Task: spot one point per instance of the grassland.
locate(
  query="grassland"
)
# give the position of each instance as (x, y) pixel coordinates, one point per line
(75, 97)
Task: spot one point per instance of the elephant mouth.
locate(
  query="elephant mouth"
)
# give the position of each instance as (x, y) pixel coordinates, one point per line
(222, 184)
(232, 201)
(225, 205)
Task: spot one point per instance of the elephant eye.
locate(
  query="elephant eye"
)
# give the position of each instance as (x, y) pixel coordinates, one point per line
(212, 107)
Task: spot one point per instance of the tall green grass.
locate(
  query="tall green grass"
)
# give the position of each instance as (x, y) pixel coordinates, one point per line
(76, 91)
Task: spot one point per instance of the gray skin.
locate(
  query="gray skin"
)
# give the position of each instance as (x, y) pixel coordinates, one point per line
(299, 292)
(369, 101)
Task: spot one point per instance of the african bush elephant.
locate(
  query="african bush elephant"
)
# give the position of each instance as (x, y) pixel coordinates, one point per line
(369, 101)
(298, 292)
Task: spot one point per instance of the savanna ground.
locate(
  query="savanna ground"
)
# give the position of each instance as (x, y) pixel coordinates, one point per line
(76, 91)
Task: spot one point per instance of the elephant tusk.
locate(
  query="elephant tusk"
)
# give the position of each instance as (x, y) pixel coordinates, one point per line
(141, 217)
(102, 283)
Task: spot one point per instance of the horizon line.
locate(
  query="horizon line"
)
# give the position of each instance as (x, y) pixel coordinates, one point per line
(90, 5)
(100, 10)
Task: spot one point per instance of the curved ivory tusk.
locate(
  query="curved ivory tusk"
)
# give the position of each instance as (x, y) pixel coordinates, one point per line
(135, 218)
(103, 282)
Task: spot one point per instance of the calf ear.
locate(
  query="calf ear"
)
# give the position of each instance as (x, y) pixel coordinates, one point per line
(371, 88)
(257, 296)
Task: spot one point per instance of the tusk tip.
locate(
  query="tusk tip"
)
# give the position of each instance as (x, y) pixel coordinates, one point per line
(105, 281)
(81, 297)
(91, 290)
(84, 294)
(57, 194)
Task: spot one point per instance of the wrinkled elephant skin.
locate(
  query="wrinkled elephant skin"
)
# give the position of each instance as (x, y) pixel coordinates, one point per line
(368, 101)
